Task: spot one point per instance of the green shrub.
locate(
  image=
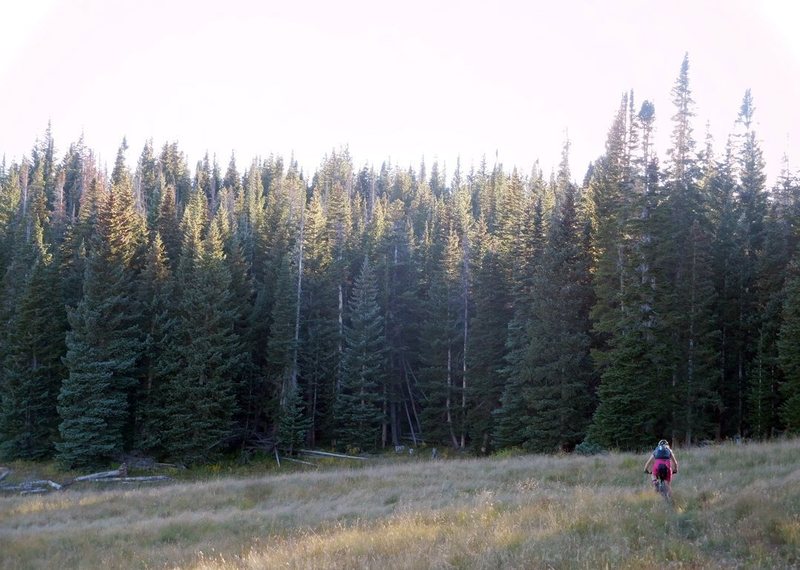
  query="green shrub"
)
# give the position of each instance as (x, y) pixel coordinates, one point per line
(590, 448)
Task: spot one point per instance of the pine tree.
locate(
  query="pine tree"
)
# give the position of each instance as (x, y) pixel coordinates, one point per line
(104, 344)
(251, 220)
(559, 393)
(281, 349)
(168, 226)
(159, 364)
(789, 349)
(684, 294)
(232, 180)
(147, 185)
(175, 173)
(202, 394)
(293, 423)
(439, 373)
(626, 355)
(319, 335)
(759, 357)
(76, 242)
(487, 344)
(357, 409)
(32, 371)
(10, 203)
(76, 166)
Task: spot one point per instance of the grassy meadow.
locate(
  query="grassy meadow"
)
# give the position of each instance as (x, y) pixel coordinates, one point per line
(735, 506)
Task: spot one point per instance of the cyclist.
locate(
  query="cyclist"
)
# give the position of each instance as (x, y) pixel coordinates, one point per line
(662, 464)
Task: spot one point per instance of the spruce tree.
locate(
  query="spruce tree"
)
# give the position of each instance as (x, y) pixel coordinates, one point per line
(626, 356)
(319, 335)
(202, 395)
(440, 371)
(10, 196)
(33, 369)
(684, 294)
(755, 284)
(159, 363)
(147, 185)
(168, 226)
(357, 408)
(104, 344)
(293, 422)
(175, 173)
(559, 391)
(487, 345)
(789, 349)
(510, 416)
(281, 349)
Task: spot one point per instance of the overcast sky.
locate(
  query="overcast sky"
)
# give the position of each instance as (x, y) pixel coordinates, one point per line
(398, 80)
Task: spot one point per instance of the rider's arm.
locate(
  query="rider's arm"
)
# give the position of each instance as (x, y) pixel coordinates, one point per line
(649, 462)
(674, 462)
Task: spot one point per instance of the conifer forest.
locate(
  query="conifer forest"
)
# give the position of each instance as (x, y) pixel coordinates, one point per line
(188, 313)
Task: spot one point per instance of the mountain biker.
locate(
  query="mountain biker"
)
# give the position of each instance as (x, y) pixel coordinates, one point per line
(663, 463)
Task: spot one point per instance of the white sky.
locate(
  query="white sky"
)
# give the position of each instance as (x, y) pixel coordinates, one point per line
(398, 80)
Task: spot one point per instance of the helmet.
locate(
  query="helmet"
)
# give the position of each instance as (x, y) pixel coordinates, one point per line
(663, 442)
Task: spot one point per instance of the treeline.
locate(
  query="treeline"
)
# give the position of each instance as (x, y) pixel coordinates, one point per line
(188, 315)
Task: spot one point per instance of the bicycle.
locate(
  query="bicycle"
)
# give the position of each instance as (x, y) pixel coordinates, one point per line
(662, 486)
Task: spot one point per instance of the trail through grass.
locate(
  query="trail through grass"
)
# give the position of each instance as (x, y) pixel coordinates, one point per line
(734, 507)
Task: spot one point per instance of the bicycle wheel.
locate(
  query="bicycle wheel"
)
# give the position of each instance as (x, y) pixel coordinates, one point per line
(664, 489)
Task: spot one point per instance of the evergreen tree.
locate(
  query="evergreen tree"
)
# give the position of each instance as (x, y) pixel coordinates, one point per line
(789, 349)
(558, 393)
(487, 344)
(159, 364)
(626, 355)
(358, 402)
(439, 373)
(760, 357)
(396, 273)
(33, 371)
(251, 221)
(75, 167)
(168, 226)
(175, 173)
(147, 185)
(104, 344)
(202, 394)
(319, 335)
(293, 422)
(509, 418)
(684, 294)
(281, 350)
(232, 180)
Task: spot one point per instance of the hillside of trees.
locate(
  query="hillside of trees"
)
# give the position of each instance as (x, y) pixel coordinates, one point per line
(185, 314)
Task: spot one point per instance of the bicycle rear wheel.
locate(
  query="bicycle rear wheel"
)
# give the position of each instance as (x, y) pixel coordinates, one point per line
(664, 490)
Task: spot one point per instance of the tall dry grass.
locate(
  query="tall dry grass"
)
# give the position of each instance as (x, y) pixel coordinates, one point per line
(735, 507)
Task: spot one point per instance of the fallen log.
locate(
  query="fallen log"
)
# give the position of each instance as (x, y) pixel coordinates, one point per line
(147, 479)
(299, 461)
(116, 476)
(329, 454)
(4, 472)
(121, 472)
(51, 484)
(32, 486)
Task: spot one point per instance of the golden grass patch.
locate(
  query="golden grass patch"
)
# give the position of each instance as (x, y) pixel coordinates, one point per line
(735, 506)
